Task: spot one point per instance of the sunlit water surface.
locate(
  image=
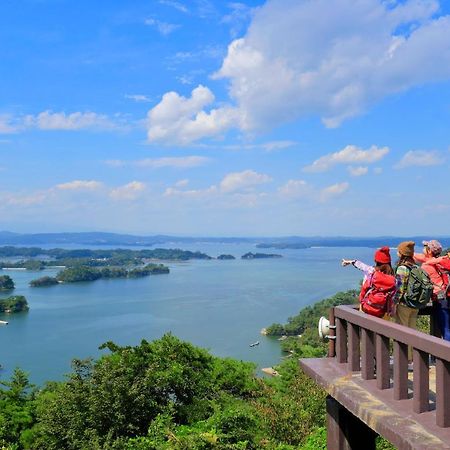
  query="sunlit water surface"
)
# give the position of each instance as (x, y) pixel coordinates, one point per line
(219, 305)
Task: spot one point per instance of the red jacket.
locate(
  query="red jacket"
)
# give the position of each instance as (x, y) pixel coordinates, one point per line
(435, 268)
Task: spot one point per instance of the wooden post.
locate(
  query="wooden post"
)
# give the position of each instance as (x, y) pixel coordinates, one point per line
(354, 352)
(368, 355)
(341, 341)
(382, 352)
(400, 371)
(421, 381)
(442, 393)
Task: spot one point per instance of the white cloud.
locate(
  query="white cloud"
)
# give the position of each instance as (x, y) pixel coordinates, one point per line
(48, 120)
(269, 146)
(237, 17)
(191, 193)
(177, 5)
(24, 200)
(175, 162)
(358, 171)
(236, 181)
(129, 191)
(138, 98)
(295, 188)
(182, 162)
(182, 183)
(378, 170)
(163, 28)
(334, 59)
(79, 185)
(348, 155)
(335, 190)
(181, 120)
(419, 158)
(6, 124)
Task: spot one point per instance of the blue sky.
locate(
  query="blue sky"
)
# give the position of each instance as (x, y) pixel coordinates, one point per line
(283, 117)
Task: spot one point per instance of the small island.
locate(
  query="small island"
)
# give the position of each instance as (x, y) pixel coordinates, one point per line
(6, 283)
(44, 281)
(251, 255)
(14, 304)
(225, 257)
(86, 273)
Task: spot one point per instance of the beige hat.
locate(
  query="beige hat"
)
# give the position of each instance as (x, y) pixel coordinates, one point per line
(406, 248)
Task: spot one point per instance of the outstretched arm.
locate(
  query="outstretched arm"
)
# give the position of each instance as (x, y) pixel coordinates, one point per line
(368, 270)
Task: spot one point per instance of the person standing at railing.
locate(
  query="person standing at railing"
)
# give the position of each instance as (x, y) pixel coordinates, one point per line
(404, 315)
(432, 263)
(378, 287)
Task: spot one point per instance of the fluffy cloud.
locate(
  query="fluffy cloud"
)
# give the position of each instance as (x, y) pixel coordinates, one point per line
(129, 191)
(335, 190)
(247, 179)
(348, 155)
(419, 158)
(354, 55)
(294, 188)
(358, 171)
(180, 120)
(77, 185)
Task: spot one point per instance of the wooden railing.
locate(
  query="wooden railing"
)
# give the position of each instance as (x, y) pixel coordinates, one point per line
(363, 342)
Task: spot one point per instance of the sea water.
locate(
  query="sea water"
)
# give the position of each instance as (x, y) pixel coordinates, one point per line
(219, 305)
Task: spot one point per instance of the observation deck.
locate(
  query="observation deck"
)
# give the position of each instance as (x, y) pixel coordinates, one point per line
(372, 393)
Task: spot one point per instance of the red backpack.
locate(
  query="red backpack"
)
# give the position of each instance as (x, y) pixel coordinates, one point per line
(377, 294)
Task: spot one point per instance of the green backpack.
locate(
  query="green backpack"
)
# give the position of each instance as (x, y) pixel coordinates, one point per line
(419, 289)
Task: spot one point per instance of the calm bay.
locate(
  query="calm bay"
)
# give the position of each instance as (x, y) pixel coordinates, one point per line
(219, 305)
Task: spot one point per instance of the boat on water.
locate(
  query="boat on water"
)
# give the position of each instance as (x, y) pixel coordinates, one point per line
(254, 344)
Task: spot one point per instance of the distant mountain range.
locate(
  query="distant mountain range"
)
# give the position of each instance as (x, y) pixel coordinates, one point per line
(293, 242)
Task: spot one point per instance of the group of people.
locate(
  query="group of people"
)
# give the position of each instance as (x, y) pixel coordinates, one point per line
(400, 292)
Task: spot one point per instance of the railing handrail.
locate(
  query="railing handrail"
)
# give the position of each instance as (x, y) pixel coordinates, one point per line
(421, 341)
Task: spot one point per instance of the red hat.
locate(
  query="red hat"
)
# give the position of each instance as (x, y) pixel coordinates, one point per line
(383, 256)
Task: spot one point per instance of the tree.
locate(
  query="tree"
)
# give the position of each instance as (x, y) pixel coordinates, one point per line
(43, 281)
(16, 303)
(6, 283)
(16, 408)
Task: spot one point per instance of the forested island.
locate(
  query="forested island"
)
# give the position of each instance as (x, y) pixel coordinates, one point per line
(251, 255)
(43, 258)
(43, 281)
(226, 257)
(14, 304)
(6, 283)
(86, 273)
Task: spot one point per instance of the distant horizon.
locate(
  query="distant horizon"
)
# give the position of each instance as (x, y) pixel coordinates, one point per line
(199, 236)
